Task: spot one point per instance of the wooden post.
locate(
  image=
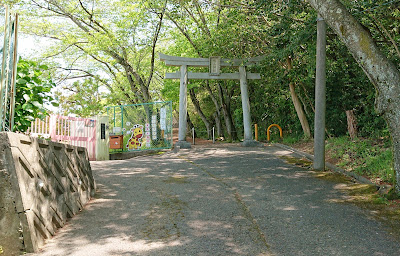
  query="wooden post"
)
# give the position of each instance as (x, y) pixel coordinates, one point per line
(320, 97)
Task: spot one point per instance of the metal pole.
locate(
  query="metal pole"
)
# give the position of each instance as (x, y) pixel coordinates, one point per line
(320, 97)
(14, 75)
(3, 83)
(213, 134)
(193, 135)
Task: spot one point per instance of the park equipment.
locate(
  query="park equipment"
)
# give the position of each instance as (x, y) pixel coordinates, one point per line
(8, 71)
(140, 126)
(269, 128)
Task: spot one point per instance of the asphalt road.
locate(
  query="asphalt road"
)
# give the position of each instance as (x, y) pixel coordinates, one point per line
(217, 201)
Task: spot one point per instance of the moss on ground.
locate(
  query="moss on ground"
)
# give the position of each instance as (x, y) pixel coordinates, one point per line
(302, 162)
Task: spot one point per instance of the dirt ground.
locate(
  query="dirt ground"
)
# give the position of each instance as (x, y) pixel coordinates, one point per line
(308, 147)
(198, 141)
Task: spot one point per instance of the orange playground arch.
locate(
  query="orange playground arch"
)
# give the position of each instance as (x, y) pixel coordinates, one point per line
(268, 131)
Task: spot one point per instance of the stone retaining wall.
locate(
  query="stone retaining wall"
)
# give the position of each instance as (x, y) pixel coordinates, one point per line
(42, 185)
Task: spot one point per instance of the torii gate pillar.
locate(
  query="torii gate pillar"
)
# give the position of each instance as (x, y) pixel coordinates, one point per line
(182, 143)
(248, 131)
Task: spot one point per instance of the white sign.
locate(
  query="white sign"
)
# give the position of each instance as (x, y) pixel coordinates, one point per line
(215, 66)
(80, 126)
(163, 113)
(163, 124)
(116, 129)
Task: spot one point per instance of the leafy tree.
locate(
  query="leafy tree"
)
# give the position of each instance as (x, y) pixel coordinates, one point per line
(113, 42)
(381, 70)
(82, 98)
(33, 94)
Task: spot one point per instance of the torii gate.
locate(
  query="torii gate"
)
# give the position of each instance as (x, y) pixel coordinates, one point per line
(214, 64)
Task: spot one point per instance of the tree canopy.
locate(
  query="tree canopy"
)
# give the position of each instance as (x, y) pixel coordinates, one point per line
(111, 46)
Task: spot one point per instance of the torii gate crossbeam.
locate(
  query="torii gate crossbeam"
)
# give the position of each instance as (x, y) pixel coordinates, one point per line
(214, 63)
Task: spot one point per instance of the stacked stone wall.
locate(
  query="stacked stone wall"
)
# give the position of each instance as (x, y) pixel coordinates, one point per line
(42, 185)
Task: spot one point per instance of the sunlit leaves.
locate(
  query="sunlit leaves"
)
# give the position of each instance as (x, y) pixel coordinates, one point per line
(33, 88)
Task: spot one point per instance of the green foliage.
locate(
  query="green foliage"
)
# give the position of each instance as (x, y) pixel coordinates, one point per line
(122, 33)
(369, 157)
(83, 99)
(33, 86)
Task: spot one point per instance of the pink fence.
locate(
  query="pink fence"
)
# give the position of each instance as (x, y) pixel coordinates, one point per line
(70, 130)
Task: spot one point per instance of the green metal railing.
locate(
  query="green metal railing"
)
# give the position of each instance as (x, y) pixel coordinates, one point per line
(140, 126)
(8, 70)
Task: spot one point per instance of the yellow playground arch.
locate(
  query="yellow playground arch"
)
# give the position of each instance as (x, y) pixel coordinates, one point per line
(268, 131)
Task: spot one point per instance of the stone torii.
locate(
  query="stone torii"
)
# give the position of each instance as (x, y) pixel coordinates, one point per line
(214, 64)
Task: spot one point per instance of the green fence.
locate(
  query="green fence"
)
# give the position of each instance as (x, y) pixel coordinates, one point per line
(140, 126)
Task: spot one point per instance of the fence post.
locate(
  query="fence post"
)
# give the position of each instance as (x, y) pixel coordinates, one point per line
(213, 134)
(53, 127)
(256, 132)
(193, 135)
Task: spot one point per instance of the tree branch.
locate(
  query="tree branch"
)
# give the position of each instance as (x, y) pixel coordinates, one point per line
(155, 39)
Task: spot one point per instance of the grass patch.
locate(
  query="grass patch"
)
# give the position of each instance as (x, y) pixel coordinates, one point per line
(366, 157)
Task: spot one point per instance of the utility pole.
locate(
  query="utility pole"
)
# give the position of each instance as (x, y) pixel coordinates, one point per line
(320, 97)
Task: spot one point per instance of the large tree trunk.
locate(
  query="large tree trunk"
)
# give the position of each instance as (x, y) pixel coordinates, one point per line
(380, 70)
(297, 105)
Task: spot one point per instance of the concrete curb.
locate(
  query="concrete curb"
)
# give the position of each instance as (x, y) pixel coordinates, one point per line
(330, 166)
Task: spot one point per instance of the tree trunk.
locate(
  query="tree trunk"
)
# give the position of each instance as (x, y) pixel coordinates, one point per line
(225, 104)
(197, 107)
(217, 114)
(190, 126)
(351, 124)
(298, 106)
(218, 125)
(382, 73)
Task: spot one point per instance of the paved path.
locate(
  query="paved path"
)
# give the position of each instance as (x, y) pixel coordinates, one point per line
(217, 201)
